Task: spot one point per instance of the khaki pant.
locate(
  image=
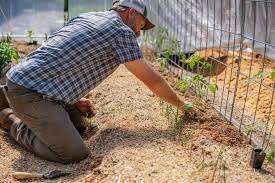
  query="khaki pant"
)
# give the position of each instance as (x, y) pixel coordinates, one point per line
(48, 128)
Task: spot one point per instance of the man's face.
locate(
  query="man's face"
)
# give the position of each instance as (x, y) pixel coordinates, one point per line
(135, 21)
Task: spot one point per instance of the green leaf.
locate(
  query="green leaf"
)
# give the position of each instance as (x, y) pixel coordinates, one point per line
(213, 88)
(270, 157)
(188, 106)
(183, 85)
(192, 64)
(273, 75)
(163, 62)
(7, 54)
(193, 61)
(261, 74)
(183, 58)
(248, 131)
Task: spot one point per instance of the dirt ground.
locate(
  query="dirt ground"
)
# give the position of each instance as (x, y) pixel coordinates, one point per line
(136, 143)
(249, 66)
(255, 63)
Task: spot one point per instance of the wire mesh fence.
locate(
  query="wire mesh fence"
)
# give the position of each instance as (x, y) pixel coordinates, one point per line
(237, 38)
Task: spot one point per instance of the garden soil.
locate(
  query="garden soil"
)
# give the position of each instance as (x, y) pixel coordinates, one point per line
(137, 143)
(249, 94)
(247, 91)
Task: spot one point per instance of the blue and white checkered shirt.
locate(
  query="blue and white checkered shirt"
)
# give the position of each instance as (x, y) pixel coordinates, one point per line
(78, 57)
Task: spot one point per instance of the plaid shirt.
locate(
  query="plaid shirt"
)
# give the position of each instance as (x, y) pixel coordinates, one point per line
(75, 59)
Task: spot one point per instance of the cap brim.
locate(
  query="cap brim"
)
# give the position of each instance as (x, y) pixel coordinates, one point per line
(148, 25)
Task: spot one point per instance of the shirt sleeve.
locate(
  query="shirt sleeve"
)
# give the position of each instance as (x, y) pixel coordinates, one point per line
(126, 47)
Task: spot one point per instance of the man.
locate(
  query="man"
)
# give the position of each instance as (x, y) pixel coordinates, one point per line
(46, 89)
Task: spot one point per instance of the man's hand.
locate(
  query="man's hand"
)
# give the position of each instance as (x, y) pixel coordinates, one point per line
(85, 106)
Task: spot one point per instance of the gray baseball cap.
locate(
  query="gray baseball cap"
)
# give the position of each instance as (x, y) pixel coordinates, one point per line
(139, 6)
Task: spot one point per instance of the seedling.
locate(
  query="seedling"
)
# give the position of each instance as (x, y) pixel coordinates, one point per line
(273, 75)
(196, 62)
(6, 39)
(271, 155)
(163, 63)
(169, 52)
(197, 82)
(7, 54)
(219, 166)
(248, 130)
(202, 164)
(162, 35)
(30, 36)
(260, 74)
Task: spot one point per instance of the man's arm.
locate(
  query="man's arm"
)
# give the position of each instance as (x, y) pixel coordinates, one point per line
(154, 82)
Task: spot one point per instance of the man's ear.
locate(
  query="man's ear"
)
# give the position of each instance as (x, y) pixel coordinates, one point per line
(131, 12)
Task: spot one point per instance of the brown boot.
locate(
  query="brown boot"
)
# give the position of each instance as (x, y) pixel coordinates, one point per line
(6, 118)
(3, 101)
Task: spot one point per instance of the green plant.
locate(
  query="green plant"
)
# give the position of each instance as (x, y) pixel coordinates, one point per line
(162, 35)
(7, 38)
(30, 36)
(248, 130)
(271, 155)
(169, 52)
(196, 62)
(273, 75)
(163, 63)
(182, 57)
(7, 54)
(184, 85)
(172, 45)
(261, 75)
(219, 165)
(202, 164)
(197, 82)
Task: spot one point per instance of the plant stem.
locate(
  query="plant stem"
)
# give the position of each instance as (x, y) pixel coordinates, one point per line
(269, 135)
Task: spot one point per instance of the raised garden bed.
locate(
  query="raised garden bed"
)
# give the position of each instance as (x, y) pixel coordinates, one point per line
(137, 143)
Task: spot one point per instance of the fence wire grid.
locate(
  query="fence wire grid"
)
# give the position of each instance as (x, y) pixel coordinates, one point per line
(237, 39)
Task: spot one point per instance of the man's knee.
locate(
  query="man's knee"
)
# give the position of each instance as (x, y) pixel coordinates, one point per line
(75, 156)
